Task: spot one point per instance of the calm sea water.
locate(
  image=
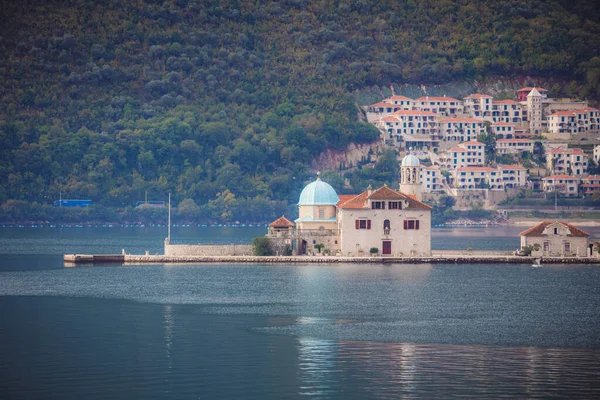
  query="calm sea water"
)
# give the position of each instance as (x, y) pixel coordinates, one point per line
(293, 331)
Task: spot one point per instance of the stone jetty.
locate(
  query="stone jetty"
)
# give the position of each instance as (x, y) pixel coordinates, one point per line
(129, 259)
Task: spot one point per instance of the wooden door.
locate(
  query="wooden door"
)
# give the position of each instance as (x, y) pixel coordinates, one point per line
(387, 247)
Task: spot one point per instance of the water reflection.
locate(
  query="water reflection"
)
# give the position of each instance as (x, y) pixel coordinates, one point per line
(408, 370)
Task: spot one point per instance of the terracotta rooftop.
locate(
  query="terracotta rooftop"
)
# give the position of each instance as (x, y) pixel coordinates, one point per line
(510, 166)
(514, 141)
(475, 169)
(477, 96)
(539, 229)
(384, 192)
(344, 198)
(397, 97)
(415, 112)
(281, 222)
(508, 101)
(432, 98)
(560, 177)
(468, 120)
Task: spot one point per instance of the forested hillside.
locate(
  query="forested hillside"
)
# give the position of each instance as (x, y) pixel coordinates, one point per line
(228, 101)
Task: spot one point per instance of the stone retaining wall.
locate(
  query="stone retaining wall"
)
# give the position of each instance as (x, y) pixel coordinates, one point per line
(200, 250)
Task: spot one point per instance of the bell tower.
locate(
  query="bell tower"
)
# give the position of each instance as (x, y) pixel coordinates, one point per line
(410, 176)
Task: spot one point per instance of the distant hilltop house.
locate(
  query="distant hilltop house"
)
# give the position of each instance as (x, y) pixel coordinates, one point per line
(556, 238)
(383, 221)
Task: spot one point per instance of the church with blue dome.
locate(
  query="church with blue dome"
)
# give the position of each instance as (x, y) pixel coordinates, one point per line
(394, 222)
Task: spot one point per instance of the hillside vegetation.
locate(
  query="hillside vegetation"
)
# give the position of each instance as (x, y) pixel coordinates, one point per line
(227, 102)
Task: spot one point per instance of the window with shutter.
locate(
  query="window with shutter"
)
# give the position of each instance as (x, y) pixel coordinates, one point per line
(357, 224)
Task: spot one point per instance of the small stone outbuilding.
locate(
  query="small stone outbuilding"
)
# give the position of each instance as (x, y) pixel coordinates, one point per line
(557, 239)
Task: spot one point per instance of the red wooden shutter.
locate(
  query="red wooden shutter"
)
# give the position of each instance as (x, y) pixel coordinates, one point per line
(417, 224)
(357, 224)
(405, 224)
(368, 224)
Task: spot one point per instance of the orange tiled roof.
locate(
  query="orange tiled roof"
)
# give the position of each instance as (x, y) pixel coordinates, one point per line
(514, 140)
(539, 228)
(475, 169)
(510, 166)
(591, 177)
(416, 112)
(561, 113)
(361, 201)
(344, 198)
(281, 222)
(431, 98)
(560, 177)
(469, 120)
(397, 97)
(477, 96)
(508, 101)
(381, 104)
(472, 142)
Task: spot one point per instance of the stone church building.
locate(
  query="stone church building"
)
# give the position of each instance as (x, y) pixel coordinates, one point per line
(394, 222)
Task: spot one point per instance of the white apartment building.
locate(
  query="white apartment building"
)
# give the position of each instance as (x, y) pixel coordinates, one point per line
(597, 154)
(513, 146)
(478, 106)
(468, 154)
(513, 175)
(384, 108)
(503, 130)
(503, 176)
(440, 105)
(431, 179)
(405, 102)
(508, 111)
(565, 184)
(461, 129)
(560, 161)
(590, 185)
(573, 121)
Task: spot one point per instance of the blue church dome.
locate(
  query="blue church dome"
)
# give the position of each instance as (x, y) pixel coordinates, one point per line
(318, 193)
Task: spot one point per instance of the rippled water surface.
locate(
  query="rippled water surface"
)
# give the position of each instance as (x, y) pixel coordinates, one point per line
(293, 331)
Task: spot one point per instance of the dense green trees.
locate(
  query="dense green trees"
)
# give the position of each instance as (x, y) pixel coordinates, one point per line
(108, 100)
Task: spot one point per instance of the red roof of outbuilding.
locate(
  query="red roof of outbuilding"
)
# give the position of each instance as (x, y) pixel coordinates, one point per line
(539, 229)
(281, 222)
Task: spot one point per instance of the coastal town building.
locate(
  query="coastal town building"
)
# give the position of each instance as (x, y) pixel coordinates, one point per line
(590, 185)
(392, 222)
(534, 111)
(514, 146)
(523, 92)
(415, 129)
(567, 161)
(467, 154)
(478, 106)
(573, 121)
(556, 238)
(447, 106)
(460, 129)
(567, 185)
(508, 111)
(493, 178)
(503, 130)
(597, 154)
(431, 179)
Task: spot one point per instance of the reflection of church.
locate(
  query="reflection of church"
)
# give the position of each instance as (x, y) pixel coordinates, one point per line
(396, 223)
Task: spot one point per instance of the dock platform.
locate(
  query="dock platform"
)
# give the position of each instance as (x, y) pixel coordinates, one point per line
(129, 259)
